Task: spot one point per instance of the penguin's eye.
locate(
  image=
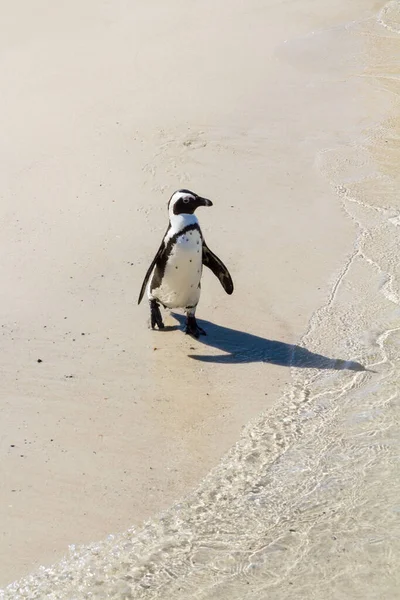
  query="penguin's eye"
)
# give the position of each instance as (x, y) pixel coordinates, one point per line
(186, 200)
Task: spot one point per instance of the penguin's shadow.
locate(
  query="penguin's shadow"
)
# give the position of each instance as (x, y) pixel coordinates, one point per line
(242, 347)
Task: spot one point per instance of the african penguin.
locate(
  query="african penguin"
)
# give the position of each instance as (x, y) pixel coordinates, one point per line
(175, 272)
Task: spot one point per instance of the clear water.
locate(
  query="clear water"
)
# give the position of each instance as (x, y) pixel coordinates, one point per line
(307, 503)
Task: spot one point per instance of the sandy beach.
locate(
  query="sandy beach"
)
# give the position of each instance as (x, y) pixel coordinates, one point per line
(267, 109)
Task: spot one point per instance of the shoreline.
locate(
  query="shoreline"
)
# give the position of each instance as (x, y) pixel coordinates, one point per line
(86, 406)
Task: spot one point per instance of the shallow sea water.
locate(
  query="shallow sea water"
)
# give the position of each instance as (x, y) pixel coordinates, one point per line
(307, 503)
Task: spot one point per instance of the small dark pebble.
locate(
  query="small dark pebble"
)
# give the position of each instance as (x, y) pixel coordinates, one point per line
(12, 445)
(39, 360)
(292, 530)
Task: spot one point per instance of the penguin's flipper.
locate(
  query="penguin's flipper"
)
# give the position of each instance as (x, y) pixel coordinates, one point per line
(150, 270)
(216, 265)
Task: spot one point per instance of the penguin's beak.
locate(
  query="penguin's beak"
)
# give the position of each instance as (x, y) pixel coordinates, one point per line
(204, 201)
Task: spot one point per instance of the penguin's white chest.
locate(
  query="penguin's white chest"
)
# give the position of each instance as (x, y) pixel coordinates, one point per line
(180, 285)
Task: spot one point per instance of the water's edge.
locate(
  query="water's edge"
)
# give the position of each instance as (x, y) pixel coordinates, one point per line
(306, 503)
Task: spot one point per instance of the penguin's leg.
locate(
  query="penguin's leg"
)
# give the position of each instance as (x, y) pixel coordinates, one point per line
(192, 328)
(155, 315)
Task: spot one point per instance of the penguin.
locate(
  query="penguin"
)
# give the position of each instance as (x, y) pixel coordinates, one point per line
(174, 274)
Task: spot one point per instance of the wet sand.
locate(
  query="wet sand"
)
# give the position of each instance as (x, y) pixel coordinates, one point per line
(106, 112)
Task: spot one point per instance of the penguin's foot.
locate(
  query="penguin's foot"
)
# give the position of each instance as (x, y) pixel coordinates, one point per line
(155, 315)
(192, 328)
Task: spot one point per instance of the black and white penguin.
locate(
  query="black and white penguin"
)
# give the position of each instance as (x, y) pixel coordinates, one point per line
(175, 272)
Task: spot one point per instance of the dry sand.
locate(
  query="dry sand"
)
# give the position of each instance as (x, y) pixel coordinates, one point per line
(105, 109)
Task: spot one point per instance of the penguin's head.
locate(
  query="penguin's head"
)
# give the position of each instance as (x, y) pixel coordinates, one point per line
(185, 202)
